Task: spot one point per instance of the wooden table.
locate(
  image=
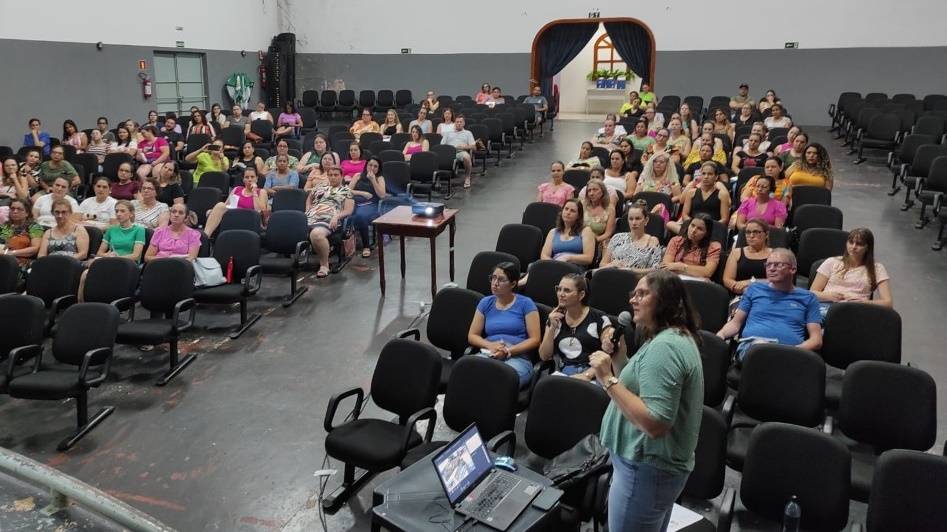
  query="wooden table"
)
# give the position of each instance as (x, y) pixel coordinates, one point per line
(401, 222)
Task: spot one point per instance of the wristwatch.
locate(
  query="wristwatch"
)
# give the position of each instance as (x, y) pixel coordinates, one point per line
(609, 382)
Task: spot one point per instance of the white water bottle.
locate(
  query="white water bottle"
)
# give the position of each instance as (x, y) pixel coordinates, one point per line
(792, 515)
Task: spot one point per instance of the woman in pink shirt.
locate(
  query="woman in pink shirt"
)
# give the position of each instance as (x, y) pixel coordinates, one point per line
(288, 121)
(416, 143)
(153, 152)
(762, 205)
(354, 164)
(175, 239)
(855, 276)
(555, 190)
(249, 196)
(484, 95)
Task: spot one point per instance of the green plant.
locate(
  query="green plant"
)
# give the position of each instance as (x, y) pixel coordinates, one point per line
(596, 74)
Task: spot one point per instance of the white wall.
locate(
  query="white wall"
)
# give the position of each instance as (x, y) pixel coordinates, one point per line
(351, 27)
(572, 82)
(231, 25)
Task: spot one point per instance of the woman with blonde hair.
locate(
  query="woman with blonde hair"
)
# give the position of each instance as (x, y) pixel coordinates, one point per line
(660, 175)
(599, 213)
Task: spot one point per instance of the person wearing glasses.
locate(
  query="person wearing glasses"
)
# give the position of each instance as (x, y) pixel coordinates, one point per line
(776, 311)
(506, 324)
(66, 237)
(57, 167)
(432, 103)
(102, 124)
(747, 264)
(575, 330)
(43, 207)
(366, 124)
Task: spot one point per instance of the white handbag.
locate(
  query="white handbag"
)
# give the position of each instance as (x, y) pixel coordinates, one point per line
(207, 272)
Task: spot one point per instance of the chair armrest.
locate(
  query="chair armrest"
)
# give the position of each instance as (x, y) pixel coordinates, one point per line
(831, 109)
(507, 437)
(95, 357)
(471, 350)
(857, 527)
(727, 409)
(726, 509)
(427, 413)
(301, 248)
(253, 279)
(59, 304)
(827, 425)
(22, 354)
(334, 405)
(124, 303)
(182, 306)
(416, 333)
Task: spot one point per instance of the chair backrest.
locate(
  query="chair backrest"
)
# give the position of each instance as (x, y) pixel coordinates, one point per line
(910, 144)
(907, 492)
(347, 98)
(711, 301)
(452, 311)
(930, 125)
(819, 243)
(285, 230)
(403, 98)
(937, 176)
(112, 162)
(406, 378)
(812, 215)
(809, 195)
(541, 215)
(289, 200)
(423, 165)
(860, 331)
(610, 288)
(783, 383)
(602, 154)
(446, 156)
(884, 126)
(233, 136)
(247, 219)
(654, 198)
(715, 359)
(387, 156)
(522, 240)
(263, 128)
(484, 391)
(366, 98)
(784, 460)
(82, 328)
(577, 177)
(95, 238)
(327, 99)
(9, 274)
(196, 141)
(482, 266)
(562, 411)
(23, 318)
(888, 406)
(201, 200)
(110, 278)
(218, 180)
(52, 277)
(544, 275)
(433, 139)
(164, 283)
(706, 480)
(240, 244)
(924, 159)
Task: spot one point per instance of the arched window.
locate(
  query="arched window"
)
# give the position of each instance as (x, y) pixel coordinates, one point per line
(606, 58)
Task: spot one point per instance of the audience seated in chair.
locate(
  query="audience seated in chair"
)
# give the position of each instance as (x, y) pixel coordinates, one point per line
(747, 265)
(150, 212)
(710, 197)
(98, 210)
(463, 140)
(575, 330)
(319, 175)
(43, 207)
(20, 236)
(368, 189)
(761, 204)
(814, 169)
(282, 148)
(416, 142)
(200, 126)
(705, 153)
(364, 125)
(555, 190)
(585, 159)
(15, 182)
(391, 125)
(608, 138)
(247, 196)
(124, 142)
(153, 153)
(855, 276)
(354, 164)
(248, 157)
(624, 183)
(659, 175)
(57, 167)
(326, 208)
(635, 250)
(506, 325)
(422, 121)
(693, 254)
(39, 138)
(127, 186)
(288, 122)
(570, 241)
(209, 158)
(66, 237)
(599, 211)
(280, 178)
(175, 239)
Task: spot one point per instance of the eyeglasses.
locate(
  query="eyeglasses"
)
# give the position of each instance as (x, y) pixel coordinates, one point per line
(563, 289)
(12, 208)
(126, 170)
(777, 265)
(60, 213)
(497, 279)
(640, 294)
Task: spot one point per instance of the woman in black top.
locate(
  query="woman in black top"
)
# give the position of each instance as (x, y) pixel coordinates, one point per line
(247, 158)
(575, 330)
(748, 264)
(169, 183)
(368, 188)
(751, 156)
(709, 197)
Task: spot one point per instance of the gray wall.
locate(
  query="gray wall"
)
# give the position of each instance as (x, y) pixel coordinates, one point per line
(808, 80)
(55, 81)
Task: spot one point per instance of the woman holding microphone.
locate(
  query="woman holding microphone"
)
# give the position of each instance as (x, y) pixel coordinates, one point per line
(575, 329)
(651, 425)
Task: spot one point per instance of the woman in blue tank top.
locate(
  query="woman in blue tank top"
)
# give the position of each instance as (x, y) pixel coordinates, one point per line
(570, 240)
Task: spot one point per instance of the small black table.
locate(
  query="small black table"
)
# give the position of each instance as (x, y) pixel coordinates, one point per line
(414, 501)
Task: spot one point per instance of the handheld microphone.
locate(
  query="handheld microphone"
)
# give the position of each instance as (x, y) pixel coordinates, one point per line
(624, 322)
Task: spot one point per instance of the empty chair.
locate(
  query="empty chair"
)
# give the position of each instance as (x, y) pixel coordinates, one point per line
(541, 215)
(55, 280)
(385, 100)
(932, 125)
(908, 492)
(885, 406)
(904, 157)
(577, 177)
(366, 98)
(711, 301)
(715, 360)
(809, 195)
(881, 134)
(424, 173)
(523, 241)
(232, 136)
(819, 243)
(327, 102)
(246, 219)
(403, 98)
(706, 481)
(346, 102)
(218, 180)
(289, 200)
(812, 215)
(482, 266)
(544, 275)
(609, 290)
(287, 239)
(9, 274)
(243, 248)
(919, 170)
(112, 280)
(82, 349)
(24, 319)
(785, 460)
(930, 190)
(201, 200)
(261, 128)
(405, 382)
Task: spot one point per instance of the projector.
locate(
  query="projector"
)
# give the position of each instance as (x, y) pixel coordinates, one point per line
(427, 209)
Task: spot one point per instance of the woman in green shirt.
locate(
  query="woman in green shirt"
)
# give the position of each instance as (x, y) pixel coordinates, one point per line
(652, 422)
(126, 239)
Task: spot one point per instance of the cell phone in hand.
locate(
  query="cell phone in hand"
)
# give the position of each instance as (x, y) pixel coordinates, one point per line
(213, 147)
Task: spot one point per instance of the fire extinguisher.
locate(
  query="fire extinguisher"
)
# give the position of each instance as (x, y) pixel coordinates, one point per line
(146, 88)
(262, 58)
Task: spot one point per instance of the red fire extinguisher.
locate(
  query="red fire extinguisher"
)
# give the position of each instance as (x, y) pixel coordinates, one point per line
(146, 87)
(262, 58)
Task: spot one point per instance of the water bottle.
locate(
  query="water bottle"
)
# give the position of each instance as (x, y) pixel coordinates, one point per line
(792, 515)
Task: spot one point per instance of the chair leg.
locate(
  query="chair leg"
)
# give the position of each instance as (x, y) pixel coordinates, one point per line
(350, 486)
(923, 219)
(84, 425)
(176, 366)
(294, 294)
(908, 203)
(860, 159)
(939, 244)
(245, 321)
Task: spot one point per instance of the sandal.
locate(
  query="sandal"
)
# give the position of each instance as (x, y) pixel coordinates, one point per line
(322, 273)
(367, 252)
(467, 183)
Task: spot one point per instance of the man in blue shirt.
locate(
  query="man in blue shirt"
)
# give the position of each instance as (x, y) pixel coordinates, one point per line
(37, 137)
(777, 311)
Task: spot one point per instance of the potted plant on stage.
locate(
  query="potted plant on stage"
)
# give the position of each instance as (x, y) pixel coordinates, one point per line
(599, 77)
(622, 77)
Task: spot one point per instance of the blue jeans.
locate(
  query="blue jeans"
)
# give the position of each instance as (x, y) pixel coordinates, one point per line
(523, 367)
(641, 496)
(362, 217)
(572, 369)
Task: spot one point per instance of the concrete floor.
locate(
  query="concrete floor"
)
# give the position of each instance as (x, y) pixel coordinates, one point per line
(232, 444)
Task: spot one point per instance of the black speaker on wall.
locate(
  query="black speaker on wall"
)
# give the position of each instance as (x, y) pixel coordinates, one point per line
(281, 70)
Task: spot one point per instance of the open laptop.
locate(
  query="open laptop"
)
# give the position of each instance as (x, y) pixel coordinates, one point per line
(478, 490)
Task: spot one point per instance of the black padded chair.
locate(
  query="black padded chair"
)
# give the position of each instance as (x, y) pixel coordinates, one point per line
(481, 391)
(523, 241)
(55, 280)
(544, 275)
(885, 406)
(424, 172)
(610, 289)
(82, 349)
(218, 180)
(811, 216)
(202, 199)
(405, 382)
(819, 243)
(112, 280)
(541, 215)
(881, 134)
(706, 481)
(403, 98)
(112, 162)
(289, 200)
(167, 286)
(327, 102)
(715, 360)
(264, 129)
(785, 460)
(24, 318)
(287, 238)
(908, 492)
(244, 248)
(857, 331)
(778, 383)
(9, 274)
(809, 195)
(366, 98)
(242, 219)
(233, 136)
(778, 238)
(577, 177)
(711, 301)
(482, 266)
(448, 322)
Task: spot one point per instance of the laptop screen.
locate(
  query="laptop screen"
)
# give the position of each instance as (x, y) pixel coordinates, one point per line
(462, 464)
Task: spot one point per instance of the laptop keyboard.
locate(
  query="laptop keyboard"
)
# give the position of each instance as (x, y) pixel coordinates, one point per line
(500, 486)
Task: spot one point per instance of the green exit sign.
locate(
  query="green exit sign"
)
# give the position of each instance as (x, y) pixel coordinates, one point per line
(791, 45)
(179, 44)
